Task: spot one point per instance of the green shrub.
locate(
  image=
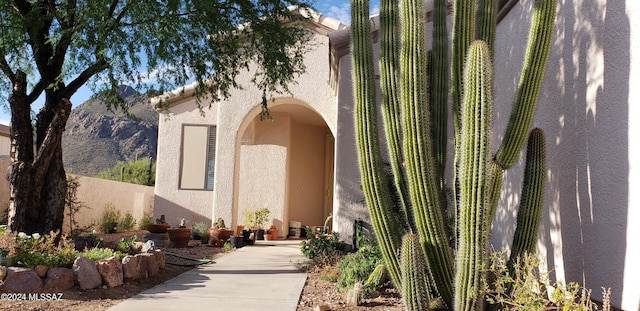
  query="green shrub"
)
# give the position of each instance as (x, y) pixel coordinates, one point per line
(357, 267)
(322, 247)
(110, 218)
(127, 222)
(34, 250)
(128, 246)
(96, 254)
(146, 219)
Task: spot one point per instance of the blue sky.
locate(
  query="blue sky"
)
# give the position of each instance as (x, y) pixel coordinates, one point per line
(338, 9)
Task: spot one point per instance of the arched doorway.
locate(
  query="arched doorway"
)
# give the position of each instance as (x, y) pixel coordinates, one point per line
(286, 166)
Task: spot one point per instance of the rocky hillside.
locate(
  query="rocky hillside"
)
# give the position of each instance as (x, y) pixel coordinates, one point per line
(95, 139)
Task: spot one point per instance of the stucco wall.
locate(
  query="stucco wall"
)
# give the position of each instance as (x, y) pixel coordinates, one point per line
(307, 174)
(234, 116)
(170, 200)
(586, 109)
(98, 193)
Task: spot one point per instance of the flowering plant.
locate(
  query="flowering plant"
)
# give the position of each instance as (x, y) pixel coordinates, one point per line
(322, 246)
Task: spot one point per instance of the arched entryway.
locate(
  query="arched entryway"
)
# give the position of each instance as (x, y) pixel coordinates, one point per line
(285, 165)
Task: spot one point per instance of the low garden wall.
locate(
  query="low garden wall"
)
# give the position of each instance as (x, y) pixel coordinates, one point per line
(96, 194)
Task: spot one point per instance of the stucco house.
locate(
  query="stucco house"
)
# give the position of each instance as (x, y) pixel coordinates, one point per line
(303, 166)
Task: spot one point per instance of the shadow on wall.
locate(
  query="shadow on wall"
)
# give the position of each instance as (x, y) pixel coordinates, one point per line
(174, 213)
(584, 111)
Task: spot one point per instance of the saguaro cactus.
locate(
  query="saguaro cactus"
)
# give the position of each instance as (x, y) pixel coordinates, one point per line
(414, 98)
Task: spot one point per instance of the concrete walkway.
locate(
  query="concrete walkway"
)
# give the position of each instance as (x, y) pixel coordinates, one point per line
(259, 277)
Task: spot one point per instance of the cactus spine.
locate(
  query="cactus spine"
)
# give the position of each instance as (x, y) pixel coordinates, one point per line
(474, 174)
(530, 210)
(423, 188)
(414, 287)
(477, 175)
(376, 191)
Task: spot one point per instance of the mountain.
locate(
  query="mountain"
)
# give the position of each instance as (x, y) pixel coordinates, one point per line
(95, 139)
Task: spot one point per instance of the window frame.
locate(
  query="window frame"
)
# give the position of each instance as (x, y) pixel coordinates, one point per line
(209, 156)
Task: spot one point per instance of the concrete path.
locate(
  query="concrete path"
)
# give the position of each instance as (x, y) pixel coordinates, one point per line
(259, 277)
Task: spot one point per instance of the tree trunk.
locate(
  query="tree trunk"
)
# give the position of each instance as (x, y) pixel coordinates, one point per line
(38, 179)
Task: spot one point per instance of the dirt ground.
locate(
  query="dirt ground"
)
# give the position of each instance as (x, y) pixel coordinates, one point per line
(317, 292)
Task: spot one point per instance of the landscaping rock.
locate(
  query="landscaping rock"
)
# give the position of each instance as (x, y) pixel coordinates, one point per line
(3, 273)
(59, 279)
(86, 273)
(143, 271)
(21, 280)
(152, 264)
(131, 268)
(111, 271)
(162, 263)
(148, 247)
(41, 270)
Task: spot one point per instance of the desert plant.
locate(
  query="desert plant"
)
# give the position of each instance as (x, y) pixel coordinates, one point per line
(522, 286)
(256, 219)
(127, 245)
(34, 250)
(138, 171)
(127, 222)
(219, 224)
(323, 248)
(146, 219)
(98, 253)
(414, 108)
(110, 218)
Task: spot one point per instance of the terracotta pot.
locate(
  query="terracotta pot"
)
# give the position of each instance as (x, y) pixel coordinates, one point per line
(273, 233)
(221, 234)
(179, 237)
(158, 228)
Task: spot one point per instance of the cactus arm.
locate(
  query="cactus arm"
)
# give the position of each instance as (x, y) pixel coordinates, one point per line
(532, 198)
(486, 27)
(389, 71)
(439, 92)
(535, 62)
(463, 34)
(415, 293)
(474, 172)
(418, 148)
(374, 184)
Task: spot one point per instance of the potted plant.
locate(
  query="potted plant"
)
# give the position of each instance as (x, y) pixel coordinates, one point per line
(180, 236)
(200, 232)
(160, 226)
(272, 233)
(256, 220)
(220, 230)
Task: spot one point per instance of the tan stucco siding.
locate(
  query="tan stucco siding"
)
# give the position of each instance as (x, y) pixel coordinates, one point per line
(170, 200)
(312, 90)
(307, 174)
(586, 109)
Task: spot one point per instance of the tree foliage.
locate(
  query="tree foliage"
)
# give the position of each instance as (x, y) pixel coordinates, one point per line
(52, 48)
(139, 171)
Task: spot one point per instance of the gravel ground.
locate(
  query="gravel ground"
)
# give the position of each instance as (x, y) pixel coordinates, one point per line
(316, 293)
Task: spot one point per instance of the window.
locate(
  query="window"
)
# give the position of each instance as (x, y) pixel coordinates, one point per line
(197, 157)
